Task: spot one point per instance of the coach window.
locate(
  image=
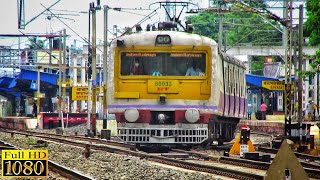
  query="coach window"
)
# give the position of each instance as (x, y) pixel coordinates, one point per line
(241, 82)
(237, 81)
(160, 63)
(226, 79)
(231, 80)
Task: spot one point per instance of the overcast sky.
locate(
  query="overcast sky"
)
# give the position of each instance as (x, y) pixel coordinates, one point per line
(76, 10)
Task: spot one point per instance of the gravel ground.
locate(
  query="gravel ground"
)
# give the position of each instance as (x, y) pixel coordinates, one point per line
(260, 138)
(103, 165)
(51, 176)
(80, 129)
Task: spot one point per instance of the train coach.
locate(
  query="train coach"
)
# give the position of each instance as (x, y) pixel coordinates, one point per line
(174, 88)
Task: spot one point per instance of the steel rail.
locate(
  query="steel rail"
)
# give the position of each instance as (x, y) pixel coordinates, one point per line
(53, 166)
(179, 163)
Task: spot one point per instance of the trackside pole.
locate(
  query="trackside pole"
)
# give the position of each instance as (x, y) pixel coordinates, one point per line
(89, 108)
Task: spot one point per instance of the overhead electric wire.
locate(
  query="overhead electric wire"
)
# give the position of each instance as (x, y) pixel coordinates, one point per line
(82, 12)
(31, 40)
(241, 39)
(83, 38)
(132, 13)
(154, 12)
(65, 24)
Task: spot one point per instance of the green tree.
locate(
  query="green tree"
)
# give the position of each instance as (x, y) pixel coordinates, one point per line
(312, 30)
(312, 25)
(240, 27)
(257, 65)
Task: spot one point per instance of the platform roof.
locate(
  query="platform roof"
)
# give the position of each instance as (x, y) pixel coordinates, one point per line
(33, 76)
(257, 80)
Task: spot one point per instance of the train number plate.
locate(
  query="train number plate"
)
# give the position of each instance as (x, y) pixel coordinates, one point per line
(163, 86)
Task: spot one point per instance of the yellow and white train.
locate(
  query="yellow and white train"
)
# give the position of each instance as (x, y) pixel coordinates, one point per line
(174, 88)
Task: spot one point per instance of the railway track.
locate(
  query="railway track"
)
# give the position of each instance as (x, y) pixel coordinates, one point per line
(53, 166)
(227, 146)
(312, 170)
(156, 158)
(122, 148)
(298, 155)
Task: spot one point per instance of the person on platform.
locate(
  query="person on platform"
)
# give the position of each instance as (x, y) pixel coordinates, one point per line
(310, 110)
(263, 109)
(249, 111)
(315, 107)
(35, 110)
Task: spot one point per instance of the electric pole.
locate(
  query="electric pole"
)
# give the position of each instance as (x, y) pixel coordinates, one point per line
(64, 72)
(94, 66)
(288, 44)
(105, 66)
(89, 74)
(60, 83)
(38, 99)
(220, 27)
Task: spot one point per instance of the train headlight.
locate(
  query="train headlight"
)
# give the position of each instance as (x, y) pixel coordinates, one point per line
(192, 115)
(131, 115)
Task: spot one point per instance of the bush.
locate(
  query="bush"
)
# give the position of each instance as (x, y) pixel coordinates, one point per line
(258, 115)
(31, 141)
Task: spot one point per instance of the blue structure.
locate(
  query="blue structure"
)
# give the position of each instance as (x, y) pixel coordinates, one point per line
(256, 94)
(257, 80)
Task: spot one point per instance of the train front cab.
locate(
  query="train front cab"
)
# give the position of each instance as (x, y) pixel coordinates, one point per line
(175, 121)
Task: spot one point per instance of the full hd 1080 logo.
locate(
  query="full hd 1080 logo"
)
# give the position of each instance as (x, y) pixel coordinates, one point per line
(25, 163)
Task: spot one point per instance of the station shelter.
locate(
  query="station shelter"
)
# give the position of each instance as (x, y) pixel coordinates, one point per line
(18, 94)
(265, 89)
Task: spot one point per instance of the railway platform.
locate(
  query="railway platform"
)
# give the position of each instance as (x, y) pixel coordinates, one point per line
(23, 123)
(265, 126)
(268, 126)
(15, 122)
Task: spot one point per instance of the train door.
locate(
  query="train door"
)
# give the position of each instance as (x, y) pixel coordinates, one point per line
(237, 104)
(243, 94)
(226, 87)
(232, 93)
(228, 91)
(222, 87)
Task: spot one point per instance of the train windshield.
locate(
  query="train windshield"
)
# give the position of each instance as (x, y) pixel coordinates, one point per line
(163, 63)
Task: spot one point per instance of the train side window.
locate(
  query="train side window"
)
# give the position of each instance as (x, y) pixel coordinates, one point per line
(230, 80)
(226, 78)
(240, 81)
(236, 81)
